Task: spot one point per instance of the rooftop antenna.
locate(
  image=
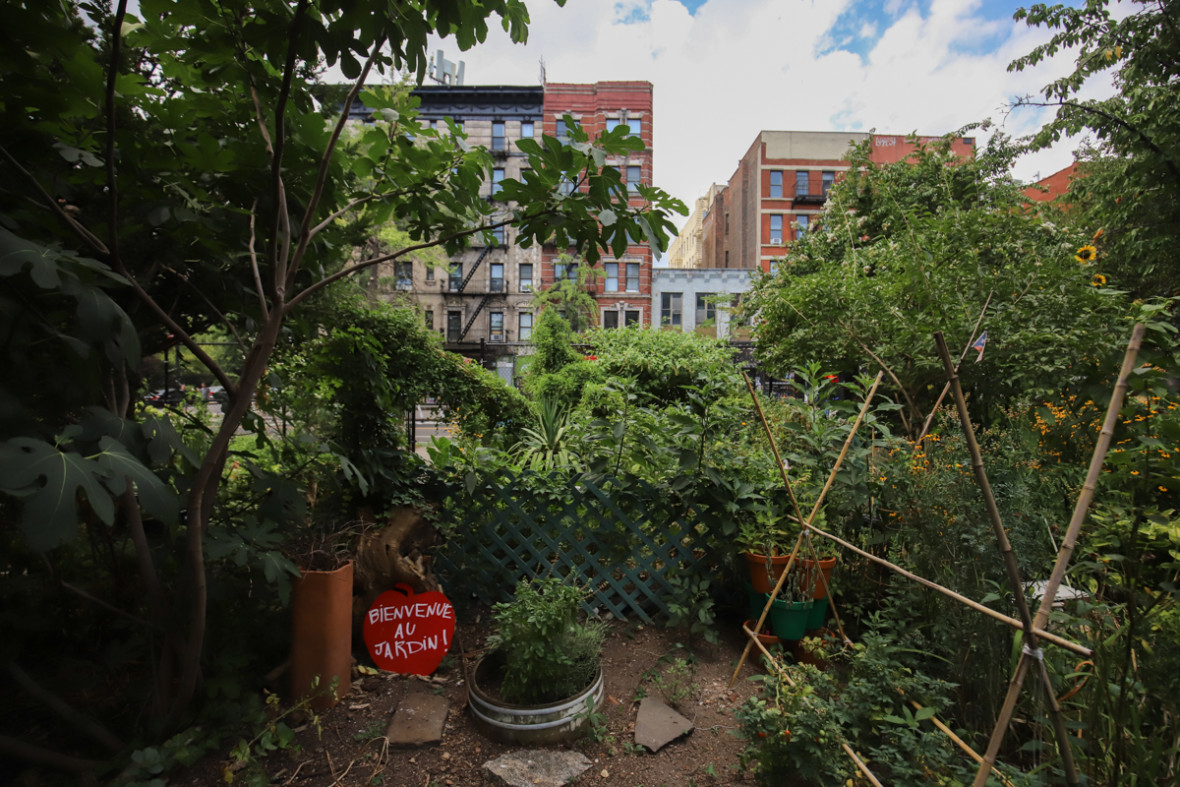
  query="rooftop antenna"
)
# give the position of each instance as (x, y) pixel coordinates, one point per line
(445, 72)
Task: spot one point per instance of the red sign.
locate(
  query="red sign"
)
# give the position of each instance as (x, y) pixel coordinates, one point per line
(409, 633)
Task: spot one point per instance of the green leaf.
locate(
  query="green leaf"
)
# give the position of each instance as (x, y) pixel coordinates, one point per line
(49, 480)
(157, 498)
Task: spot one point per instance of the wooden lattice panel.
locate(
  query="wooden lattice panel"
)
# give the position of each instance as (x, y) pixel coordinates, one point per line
(614, 542)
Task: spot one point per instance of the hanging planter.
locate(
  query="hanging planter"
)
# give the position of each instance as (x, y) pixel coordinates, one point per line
(561, 721)
(321, 635)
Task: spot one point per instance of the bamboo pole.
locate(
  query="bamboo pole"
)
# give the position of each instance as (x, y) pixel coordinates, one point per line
(1030, 641)
(962, 744)
(947, 388)
(782, 673)
(823, 493)
(1063, 556)
(1048, 636)
(782, 468)
(766, 608)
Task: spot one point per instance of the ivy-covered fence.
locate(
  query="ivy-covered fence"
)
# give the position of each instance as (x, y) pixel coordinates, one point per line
(627, 542)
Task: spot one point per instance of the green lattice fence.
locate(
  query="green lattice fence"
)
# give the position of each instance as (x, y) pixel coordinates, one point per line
(619, 542)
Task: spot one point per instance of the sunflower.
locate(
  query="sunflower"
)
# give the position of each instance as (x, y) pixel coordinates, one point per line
(1086, 254)
(1098, 280)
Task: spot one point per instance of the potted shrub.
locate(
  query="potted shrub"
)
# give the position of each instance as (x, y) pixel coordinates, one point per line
(763, 538)
(542, 678)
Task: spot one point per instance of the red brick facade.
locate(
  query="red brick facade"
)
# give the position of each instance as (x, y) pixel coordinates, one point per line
(779, 186)
(594, 106)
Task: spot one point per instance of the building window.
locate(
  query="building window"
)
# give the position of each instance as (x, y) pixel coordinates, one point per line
(498, 141)
(632, 277)
(776, 229)
(428, 316)
(526, 326)
(612, 276)
(631, 317)
(776, 183)
(802, 183)
(671, 305)
(563, 270)
(497, 177)
(496, 284)
(634, 174)
(829, 178)
(634, 126)
(526, 277)
(610, 320)
(429, 273)
(498, 235)
(526, 129)
(561, 131)
(496, 326)
(565, 186)
(802, 220)
(454, 325)
(706, 308)
(404, 273)
(455, 277)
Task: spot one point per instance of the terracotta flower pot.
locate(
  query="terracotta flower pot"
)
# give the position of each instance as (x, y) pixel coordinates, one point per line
(811, 571)
(765, 570)
(321, 635)
(766, 639)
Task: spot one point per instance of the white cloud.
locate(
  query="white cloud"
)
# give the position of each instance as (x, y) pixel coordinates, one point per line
(736, 67)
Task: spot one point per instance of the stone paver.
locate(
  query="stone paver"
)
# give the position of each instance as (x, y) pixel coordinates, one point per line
(536, 768)
(657, 725)
(419, 718)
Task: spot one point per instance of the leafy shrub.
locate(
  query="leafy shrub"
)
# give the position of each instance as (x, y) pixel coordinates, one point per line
(548, 653)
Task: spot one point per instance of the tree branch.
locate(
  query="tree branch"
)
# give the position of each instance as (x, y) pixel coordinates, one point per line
(63, 709)
(326, 160)
(265, 310)
(86, 235)
(112, 183)
(360, 266)
(1124, 124)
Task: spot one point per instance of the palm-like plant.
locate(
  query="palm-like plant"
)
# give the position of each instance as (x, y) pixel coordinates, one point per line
(548, 445)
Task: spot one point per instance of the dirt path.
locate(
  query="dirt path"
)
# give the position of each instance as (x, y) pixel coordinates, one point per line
(638, 660)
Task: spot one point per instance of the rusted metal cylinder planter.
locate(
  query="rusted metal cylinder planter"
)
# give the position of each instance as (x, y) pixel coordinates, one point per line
(321, 635)
(561, 721)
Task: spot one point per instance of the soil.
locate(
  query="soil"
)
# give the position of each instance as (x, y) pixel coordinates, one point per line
(352, 748)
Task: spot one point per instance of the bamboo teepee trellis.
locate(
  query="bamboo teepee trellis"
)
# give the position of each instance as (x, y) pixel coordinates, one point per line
(1033, 631)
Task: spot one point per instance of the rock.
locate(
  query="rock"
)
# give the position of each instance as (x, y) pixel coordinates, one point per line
(419, 718)
(536, 768)
(657, 725)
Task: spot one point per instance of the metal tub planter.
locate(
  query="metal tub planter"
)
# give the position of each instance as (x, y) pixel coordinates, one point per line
(561, 721)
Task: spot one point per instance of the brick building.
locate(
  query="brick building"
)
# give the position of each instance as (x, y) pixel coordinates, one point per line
(779, 185)
(623, 291)
(482, 305)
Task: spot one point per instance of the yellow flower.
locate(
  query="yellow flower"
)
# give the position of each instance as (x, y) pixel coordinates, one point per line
(1086, 254)
(1098, 280)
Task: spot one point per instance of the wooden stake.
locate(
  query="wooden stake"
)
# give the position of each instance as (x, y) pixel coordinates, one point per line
(1066, 552)
(1031, 644)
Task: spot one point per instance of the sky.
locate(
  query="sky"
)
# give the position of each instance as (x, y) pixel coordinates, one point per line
(723, 70)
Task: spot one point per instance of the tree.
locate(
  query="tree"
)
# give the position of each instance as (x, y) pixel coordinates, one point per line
(936, 243)
(171, 173)
(1129, 182)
